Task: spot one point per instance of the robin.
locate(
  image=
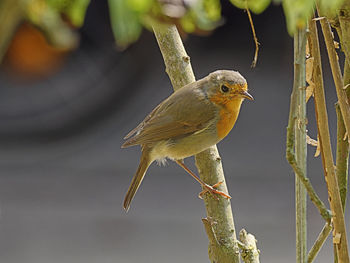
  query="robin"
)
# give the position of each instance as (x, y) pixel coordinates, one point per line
(189, 121)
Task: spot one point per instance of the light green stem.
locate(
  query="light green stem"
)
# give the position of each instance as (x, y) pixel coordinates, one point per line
(300, 144)
(319, 242)
(342, 157)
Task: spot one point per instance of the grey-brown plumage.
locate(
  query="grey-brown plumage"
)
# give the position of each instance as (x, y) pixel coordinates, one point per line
(186, 123)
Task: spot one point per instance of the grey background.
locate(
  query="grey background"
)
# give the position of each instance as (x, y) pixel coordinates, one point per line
(61, 192)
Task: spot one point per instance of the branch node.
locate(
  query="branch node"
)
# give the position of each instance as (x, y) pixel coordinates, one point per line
(249, 251)
(208, 226)
(186, 59)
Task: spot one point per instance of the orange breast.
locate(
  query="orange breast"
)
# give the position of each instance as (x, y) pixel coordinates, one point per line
(225, 123)
(227, 116)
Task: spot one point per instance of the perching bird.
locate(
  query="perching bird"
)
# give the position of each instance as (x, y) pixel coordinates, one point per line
(189, 121)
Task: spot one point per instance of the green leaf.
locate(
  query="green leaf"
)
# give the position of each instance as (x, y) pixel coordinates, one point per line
(297, 13)
(125, 22)
(256, 6)
(76, 11)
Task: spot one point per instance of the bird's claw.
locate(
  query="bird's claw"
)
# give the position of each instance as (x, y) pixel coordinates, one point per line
(213, 191)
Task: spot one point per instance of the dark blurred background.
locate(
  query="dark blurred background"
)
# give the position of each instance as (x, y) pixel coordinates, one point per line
(64, 176)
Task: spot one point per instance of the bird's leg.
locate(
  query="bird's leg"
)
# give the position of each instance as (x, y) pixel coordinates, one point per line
(206, 187)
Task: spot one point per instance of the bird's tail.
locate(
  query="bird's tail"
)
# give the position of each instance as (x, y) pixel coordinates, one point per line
(137, 179)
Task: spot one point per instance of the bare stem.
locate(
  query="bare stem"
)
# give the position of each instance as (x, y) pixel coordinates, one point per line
(294, 122)
(343, 145)
(344, 23)
(342, 157)
(219, 223)
(342, 160)
(300, 143)
(339, 236)
(324, 212)
(337, 76)
(319, 242)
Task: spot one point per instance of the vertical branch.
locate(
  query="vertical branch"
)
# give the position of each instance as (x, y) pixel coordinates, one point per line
(342, 142)
(343, 147)
(177, 62)
(337, 76)
(342, 157)
(290, 156)
(219, 224)
(344, 24)
(300, 143)
(339, 235)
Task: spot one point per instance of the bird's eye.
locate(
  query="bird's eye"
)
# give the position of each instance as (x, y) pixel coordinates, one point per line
(224, 88)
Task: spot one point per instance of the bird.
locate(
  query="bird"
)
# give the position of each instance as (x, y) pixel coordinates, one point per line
(190, 120)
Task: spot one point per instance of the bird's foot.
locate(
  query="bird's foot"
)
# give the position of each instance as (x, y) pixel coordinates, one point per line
(213, 191)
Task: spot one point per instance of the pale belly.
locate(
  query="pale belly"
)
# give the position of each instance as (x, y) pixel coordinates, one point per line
(185, 147)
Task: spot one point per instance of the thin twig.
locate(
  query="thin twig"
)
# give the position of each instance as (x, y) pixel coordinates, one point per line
(254, 36)
(324, 212)
(327, 228)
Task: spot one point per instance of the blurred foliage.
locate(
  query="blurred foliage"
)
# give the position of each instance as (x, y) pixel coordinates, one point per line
(256, 6)
(74, 9)
(31, 56)
(47, 17)
(128, 17)
(298, 12)
(125, 19)
(330, 7)
(204, 16)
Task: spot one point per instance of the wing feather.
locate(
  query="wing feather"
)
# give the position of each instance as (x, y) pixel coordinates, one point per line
(184, 112)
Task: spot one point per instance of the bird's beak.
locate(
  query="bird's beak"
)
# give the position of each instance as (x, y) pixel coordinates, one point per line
(246, 95)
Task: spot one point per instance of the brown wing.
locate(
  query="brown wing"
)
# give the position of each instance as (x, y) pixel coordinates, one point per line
(142, 124)
(184, 112)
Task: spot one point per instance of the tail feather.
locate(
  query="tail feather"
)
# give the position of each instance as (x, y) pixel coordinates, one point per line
(136, 180)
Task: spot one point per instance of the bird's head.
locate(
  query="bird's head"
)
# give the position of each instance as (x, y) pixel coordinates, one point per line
(226, 86)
